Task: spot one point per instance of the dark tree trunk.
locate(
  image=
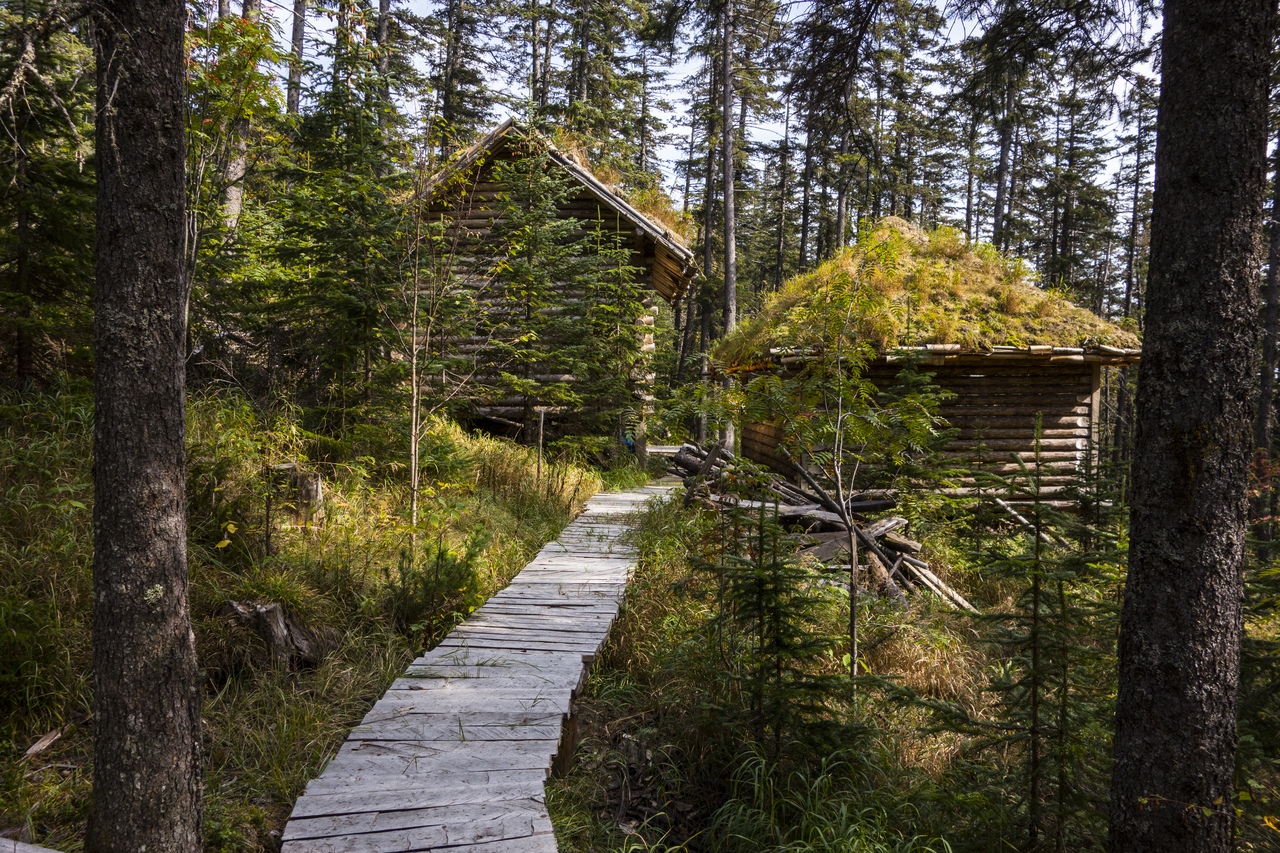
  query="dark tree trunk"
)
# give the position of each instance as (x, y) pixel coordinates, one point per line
(727, 170)
(784, 165)
(1271, 318)
(730, 226)
(146, 763)
(1175, 739)
(705, 301)
(384, 61)
(1002, 170)
(804, 198)
(842, 192)
(25, 334)
(294, 96)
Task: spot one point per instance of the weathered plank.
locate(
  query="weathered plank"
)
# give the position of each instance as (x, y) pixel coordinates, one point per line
(455, 754)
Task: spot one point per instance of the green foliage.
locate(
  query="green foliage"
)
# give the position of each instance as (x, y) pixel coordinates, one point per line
(718, 718)
(833, 807)
(564, 302)
(427, 596)
(372, 586)
(1036, 765)
(46, 194)
(767, 633)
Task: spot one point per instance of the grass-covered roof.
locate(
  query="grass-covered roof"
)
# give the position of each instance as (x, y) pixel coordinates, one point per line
(905, 287)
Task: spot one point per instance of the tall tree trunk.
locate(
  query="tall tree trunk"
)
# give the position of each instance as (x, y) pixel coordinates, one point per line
(690, 298)
(727, 155)
(146, 761)
(294, 95)
(1175, 739)
(238, 163)
(384, 61)
(804, 198)
(544, 84)
(730, 227)
(645, 117)
(1120, 450)
(969, 177)
(535, 52)
(1002, 169)
(842, 191)
(1271, 318)
(705, 302)
(784, 166)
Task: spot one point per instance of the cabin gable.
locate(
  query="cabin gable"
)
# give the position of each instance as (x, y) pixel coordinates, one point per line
(470, 199)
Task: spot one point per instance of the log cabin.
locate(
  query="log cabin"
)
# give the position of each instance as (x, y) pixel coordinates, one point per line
(1008, 355)
(474, 201)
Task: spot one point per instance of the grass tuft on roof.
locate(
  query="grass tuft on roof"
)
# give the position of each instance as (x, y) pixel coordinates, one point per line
(901, 286)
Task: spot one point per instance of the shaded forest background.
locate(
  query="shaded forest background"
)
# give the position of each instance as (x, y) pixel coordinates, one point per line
(309, 127)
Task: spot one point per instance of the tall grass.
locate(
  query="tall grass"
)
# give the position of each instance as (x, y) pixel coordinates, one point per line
(665, 761)
(372, 587)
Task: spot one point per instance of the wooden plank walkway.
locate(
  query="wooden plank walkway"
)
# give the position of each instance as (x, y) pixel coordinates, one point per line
(455, 755)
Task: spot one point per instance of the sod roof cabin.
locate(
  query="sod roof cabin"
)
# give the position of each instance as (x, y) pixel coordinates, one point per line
(1010, 353)
(472, 196)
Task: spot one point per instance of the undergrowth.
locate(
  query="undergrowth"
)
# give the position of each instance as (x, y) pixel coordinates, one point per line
(372, 590)
(679, 746)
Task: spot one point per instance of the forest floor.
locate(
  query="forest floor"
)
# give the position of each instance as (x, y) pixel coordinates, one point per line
(720, 716)
(695, 735)
(270, 725)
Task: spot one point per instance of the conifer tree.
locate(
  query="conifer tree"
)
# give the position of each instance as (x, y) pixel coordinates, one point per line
(46, 204)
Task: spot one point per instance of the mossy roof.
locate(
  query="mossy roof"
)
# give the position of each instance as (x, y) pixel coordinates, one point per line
(903, 287)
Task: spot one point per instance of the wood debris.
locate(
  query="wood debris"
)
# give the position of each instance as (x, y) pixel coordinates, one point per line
(891, 559)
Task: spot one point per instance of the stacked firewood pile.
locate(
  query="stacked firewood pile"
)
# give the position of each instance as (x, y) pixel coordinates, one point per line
(829, 531)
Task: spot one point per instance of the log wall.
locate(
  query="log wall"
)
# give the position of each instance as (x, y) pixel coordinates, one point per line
(994, 411)
(469, 206)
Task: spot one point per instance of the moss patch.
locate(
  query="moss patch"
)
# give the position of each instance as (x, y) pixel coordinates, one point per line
(902, 286)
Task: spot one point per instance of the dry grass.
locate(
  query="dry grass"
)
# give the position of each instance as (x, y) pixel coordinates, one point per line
(268, 729)
(907, 287)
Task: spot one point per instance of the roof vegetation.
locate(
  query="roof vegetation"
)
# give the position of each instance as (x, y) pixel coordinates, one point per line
(901, 286)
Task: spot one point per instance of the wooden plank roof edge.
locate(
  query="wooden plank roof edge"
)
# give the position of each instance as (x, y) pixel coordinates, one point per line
(661, 236)
(1097, 353)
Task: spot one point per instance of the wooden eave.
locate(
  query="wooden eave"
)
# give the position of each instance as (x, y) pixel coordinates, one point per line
(956, 354)
(673, 262)
(1038, 354)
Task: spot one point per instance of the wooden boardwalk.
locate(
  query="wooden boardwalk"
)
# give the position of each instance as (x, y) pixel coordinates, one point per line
(455, 755)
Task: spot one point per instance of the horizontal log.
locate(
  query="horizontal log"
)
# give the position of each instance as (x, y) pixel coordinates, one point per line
(976, 433)
(948, 410)
(1003, 420)
(1025, 455)
(1028, 444)
(900, 543)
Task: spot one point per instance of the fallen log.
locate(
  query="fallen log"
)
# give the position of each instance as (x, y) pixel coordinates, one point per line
(825, 517)
(901, 544)
(881, 575)
(884, 526)
(896, 572)
(704, 468)
(921, 570)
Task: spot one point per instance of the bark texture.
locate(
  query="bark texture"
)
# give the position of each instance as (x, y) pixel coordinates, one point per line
(146, 781)
(1175, 739)
(1270, 322)
(298, 43)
